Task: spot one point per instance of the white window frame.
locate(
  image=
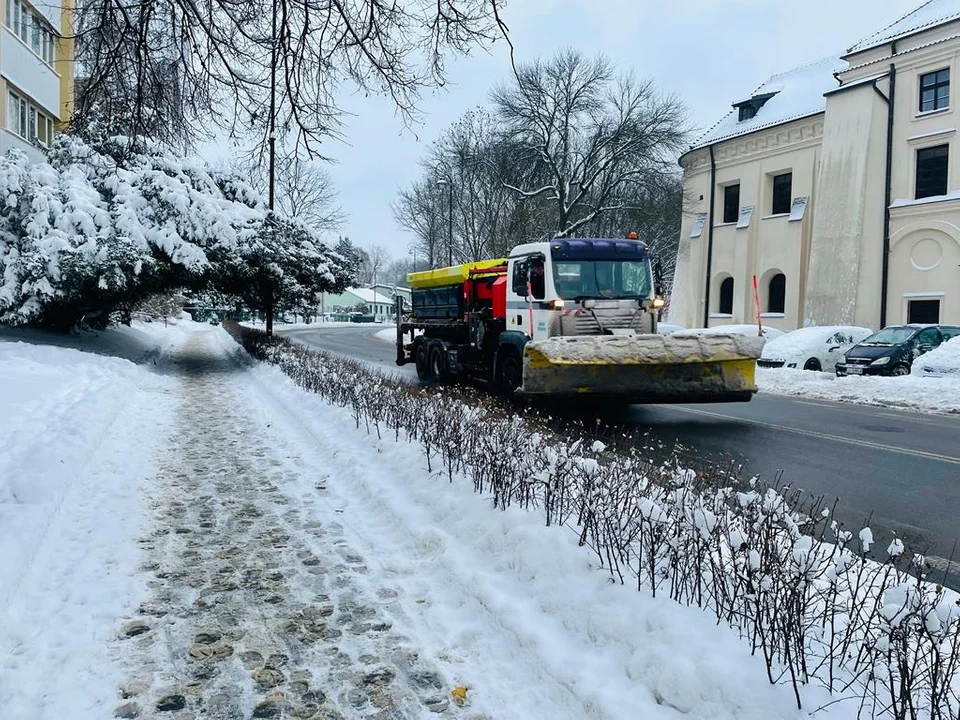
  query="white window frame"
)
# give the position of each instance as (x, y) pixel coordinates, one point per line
(26, 119)
(28, 25)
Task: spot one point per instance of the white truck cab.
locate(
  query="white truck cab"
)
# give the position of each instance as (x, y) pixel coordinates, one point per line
(581, 287)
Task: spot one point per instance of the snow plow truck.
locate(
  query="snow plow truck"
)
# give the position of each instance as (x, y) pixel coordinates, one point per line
(566, 318)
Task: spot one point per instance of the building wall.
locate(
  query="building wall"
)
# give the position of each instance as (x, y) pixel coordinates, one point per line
(769, 245)
(924, 237)
(48, 87)
(833, 260)
(845, 258)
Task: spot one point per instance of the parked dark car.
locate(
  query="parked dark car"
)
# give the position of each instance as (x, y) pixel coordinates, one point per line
(891, 351)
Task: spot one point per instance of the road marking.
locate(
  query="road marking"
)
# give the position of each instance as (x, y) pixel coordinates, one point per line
(824, 436)
(902, 414)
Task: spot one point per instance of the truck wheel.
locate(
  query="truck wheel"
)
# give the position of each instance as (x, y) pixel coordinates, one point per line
(812, 364)
(438, 363)
(511, 373)
(422, 358)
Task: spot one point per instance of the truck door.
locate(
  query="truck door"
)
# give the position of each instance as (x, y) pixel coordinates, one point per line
(528, 291)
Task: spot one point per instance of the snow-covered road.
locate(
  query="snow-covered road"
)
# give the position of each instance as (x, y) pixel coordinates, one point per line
(261, 557)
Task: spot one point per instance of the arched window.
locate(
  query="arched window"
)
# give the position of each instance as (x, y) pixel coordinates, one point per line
(777, 294)
(726, 297)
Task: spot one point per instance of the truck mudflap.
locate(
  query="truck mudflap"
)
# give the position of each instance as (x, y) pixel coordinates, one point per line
(672, 368)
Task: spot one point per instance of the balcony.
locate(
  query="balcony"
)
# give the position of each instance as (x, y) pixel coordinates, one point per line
(9, 141)
(29, 74)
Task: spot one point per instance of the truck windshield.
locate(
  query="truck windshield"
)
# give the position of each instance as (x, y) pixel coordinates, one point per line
(585, 279)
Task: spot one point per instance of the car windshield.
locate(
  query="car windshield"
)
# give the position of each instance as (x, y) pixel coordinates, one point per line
(583, 279)
(890, 336)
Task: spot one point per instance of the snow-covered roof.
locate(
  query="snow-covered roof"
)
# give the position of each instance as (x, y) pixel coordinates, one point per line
(795, 94)
(929, 15)
(370, 296)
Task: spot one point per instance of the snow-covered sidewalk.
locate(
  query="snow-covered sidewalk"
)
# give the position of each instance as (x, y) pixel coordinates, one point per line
(910, 392)
(255, 555)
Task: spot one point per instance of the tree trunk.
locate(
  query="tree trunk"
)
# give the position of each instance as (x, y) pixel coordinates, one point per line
(268, 311)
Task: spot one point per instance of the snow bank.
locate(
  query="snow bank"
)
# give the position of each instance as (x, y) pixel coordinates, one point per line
(938, 395)
(744, 557)
(943, 361)
(79, 432)
(521, 614)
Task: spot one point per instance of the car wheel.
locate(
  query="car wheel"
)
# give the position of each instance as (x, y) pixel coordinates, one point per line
(438, 363)
(511, 373)
(812, 364)
(422, 359)
(900, 370)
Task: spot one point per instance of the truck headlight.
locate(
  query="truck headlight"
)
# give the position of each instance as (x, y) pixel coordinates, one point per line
(880, 361)
(659, 302)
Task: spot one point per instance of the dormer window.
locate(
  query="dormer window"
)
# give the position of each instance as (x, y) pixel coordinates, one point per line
(748, 109)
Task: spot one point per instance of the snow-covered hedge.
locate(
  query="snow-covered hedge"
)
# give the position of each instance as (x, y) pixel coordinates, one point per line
(803, 591)
(94, 229)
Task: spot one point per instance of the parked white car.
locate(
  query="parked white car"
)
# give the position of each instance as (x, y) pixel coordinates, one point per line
(812, 348)
(943, 361)
(749, 330)
(669, 328)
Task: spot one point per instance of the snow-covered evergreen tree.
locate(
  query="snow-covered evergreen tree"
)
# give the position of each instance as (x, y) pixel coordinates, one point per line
(100, 226)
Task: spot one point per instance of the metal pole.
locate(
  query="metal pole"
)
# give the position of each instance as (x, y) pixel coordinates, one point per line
(450, 232)
(272, 141)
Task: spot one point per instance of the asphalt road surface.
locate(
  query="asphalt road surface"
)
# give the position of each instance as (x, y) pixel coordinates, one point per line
(902, 467)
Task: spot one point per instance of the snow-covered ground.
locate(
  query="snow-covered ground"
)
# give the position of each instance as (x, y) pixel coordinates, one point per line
(203, 536)
(79, 436)
(926, 394)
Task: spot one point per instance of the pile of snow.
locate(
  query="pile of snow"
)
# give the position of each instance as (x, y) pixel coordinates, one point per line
(910, 392)
(521, 613)
(746, 330)
(626, 349)
(672, 530)
(80, 431)
(943, 361)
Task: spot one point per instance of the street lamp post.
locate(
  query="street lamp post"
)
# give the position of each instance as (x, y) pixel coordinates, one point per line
(445, 181)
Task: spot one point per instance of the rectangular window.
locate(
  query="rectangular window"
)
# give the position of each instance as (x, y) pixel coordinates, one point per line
(746, 112)
(13, 113)
(31, 123)
(923, 311)
(731, 203)
(932, 171)
(782, 193)
(26, 21)
(36, 33)
(935, 90)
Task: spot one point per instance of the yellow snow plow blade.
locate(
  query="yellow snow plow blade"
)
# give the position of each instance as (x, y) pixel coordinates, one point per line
(672, 368)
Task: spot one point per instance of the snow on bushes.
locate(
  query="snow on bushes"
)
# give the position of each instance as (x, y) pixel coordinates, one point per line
(100, 226)
(764, 560)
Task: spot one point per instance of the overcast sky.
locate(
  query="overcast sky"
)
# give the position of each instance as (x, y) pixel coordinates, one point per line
(710, 52)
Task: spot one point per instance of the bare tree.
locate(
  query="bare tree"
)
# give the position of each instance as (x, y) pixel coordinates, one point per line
(421, 211)
(590, 138)
(374, 259)
(304, 192)
(159, 67)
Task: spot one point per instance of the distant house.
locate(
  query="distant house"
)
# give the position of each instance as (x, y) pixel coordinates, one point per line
(350, 300)
(392, 291)
(836, 186)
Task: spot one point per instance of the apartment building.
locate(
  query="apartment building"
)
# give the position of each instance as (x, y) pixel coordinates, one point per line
(835, 185)
(36, 72)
